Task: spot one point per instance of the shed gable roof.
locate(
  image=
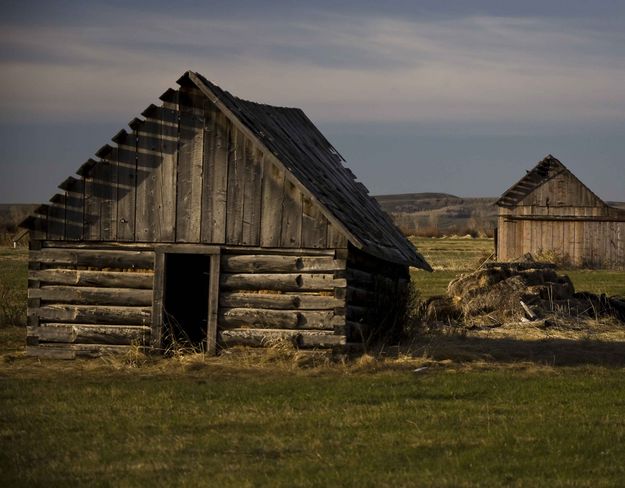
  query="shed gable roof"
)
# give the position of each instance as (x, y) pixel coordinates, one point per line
(545, 170)
(293, 142)
(303, 150)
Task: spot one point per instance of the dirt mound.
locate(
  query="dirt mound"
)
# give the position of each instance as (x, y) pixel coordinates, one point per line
(514, 292)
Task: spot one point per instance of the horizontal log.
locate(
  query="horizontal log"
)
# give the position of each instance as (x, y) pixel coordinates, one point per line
(279, 264)
(95, 314)
(128, 246)
(90, 334)
(321, 340)
(277, 250)
(265, 337)
(281, 282)
(94, 258)
(72, 351)
(92, 295)
(113, 279)
(279, 301)
(183, 248)
(278, 319)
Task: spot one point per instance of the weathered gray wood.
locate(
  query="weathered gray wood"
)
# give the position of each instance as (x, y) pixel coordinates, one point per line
(281, 282)
(106, 176)
(181, 248)
(157, 301)
(270, 159)
(90, 334)
(208, 168)
(291, 233)
(314, 225)
(98, 259)
(126, 187)
(321, 340)
(279, 301)
(112, 279)
(89, 314)
(129, 246)
(216, 182)
(165, 181)
(279, 319)
(149, 160)
(252, 195)
(272, 204)
(213, 305)
(265, 337)
(335, 237)
(189, 182)
(74, 209)
(236, 188)
(92, 295)
(238, 250)
(279, 264)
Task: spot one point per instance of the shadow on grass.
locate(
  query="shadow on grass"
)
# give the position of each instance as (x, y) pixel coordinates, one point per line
(551, 351)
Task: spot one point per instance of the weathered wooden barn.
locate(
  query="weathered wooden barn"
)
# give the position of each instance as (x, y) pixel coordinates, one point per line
(552, 213)
(215, 221)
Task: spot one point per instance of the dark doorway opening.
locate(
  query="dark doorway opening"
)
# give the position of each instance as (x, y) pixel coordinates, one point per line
(185, 301)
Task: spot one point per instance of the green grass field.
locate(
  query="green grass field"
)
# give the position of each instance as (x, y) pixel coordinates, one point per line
(452, 256)
(481, 413)
(216, 427)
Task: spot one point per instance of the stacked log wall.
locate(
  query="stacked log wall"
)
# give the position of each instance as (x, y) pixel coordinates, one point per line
(298, 297)
(84, 299)
(376, 294)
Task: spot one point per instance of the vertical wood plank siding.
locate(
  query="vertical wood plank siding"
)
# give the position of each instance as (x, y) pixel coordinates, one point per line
(564, 219)
(184, 173)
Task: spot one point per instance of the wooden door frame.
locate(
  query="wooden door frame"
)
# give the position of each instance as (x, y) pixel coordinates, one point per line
(159, 289)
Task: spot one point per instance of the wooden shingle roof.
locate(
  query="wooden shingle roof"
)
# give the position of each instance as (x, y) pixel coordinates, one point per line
(548, 168)
(303, 150)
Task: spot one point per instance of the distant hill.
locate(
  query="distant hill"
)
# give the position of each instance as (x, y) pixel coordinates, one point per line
(440, 213)
(435, 214)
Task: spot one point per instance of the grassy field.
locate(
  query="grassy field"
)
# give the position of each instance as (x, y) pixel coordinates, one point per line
(452, 256)
(441, 411)
(220, 427)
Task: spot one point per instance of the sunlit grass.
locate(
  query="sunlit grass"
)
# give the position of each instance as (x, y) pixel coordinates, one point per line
(484, 411)
(452, 256)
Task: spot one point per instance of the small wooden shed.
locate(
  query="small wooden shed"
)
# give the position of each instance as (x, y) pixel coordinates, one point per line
(550, 212)
(215, 221)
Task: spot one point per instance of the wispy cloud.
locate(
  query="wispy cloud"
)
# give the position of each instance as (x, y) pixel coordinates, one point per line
(337, 67)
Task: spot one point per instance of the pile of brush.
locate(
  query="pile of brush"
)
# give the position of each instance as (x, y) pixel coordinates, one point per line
(517, 292)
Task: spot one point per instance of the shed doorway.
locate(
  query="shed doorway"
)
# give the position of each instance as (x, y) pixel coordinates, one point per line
(185, 300)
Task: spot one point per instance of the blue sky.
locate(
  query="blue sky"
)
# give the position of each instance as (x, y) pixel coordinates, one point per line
(458, 96)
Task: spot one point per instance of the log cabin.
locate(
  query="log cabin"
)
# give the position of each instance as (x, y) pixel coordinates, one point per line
(551, 213)
(213, 221)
